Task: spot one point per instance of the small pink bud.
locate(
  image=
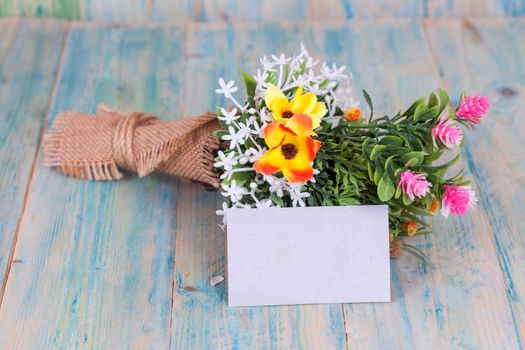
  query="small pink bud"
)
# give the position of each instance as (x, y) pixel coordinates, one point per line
(447, 132)
(414, 185)
(472, 108)
(457, 200)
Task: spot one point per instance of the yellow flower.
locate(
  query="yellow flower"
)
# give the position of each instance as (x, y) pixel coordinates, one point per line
(353, 114)
(283, 110)
(289, 152)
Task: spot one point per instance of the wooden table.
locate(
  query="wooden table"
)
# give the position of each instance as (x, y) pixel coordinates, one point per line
(127, 264)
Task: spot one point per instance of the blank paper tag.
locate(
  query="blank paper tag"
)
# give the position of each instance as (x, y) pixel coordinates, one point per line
(282, 256)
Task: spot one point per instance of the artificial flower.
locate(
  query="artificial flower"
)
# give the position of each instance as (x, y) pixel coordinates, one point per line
(447, 132)
(353, 113)
(434, 206)
(472, 108)
(411, 227)
(289, 152)
(304, 104)
(457, 200)
(414, 185)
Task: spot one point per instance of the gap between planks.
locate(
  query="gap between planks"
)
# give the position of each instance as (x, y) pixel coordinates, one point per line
(35, 156)
(468, 26)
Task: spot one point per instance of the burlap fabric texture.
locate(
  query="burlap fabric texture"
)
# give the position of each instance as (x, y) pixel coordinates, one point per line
(99, 146)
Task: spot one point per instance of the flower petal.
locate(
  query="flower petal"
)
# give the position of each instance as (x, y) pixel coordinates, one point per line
(317, 113)
(303, 104)
(297, 170)
(273, 96)
(301, 124)
(270, 162)
(307, 148)
(274, 134)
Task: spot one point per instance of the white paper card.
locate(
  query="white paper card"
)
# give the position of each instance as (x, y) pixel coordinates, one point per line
(313, 255)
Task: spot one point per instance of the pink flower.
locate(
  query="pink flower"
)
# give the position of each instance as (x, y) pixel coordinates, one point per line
(472, 108)
(447, 132)
(457, 200)
(414, 185)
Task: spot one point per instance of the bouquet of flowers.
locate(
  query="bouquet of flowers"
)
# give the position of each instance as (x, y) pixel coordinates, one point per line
(300, 139)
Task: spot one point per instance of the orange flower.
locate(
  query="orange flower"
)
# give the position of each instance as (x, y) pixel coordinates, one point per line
(283, 110)
(353, 114)
(434, 206)
(291, 150)
(411, 227)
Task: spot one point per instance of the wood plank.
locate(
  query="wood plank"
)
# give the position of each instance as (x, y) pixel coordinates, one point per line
(94, 259)
(488, 57)
(201, 318)
(461, 302)
(29, 59)
(65, 9)
(137, 11)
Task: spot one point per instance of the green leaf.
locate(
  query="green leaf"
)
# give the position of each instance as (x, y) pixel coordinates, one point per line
(420, 109)
(412, 159)
(413, 107)
(433, 157)
(443, 100)
(429, 114)
(370, 171)
(432, 100)
(249, 84)
(242, 177)
(369, 102)
(398, 192)
(220, 133)
(376, 150)
(385, 188)
(391, 140)
(406, 201)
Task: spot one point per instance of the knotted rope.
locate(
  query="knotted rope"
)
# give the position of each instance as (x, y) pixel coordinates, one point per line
(99, 146)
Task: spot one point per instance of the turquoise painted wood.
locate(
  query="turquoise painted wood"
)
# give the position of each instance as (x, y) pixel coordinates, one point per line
(134, 11)
(462, 301)
(127, 264)
(200, 317)
(492, 62)
(96, 259)
(64, 9)
(29, 60)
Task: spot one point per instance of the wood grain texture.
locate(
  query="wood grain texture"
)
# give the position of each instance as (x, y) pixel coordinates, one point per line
(201, 318)
(133, 11)
(461, 302)
(488, 57)
(29, 59)
(128, 264)
(94, 260)
(64, 9)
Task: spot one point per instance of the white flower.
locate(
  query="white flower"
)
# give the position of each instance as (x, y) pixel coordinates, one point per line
(267, 65)
(334, 72)
(256, 154)
(226, 89)
(281, 60)
(229, 117)
(264, 203)
(234, 137)
(226, 161)
(297, 196)
(260, 77)
(233, 191)
(277, 185)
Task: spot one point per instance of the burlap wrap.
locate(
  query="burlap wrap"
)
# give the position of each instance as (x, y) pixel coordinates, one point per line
(98, 146)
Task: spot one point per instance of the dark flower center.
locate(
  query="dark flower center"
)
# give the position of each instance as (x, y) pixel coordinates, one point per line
(289, 150)
(287, 114)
